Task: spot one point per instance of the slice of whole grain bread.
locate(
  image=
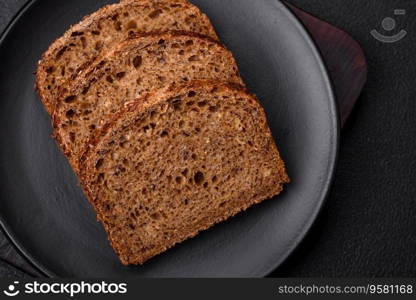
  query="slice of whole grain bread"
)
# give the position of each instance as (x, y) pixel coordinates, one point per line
(178, 161)
(139, 65)
(102, 30)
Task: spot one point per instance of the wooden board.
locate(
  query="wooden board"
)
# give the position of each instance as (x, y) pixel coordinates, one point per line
(344, 59)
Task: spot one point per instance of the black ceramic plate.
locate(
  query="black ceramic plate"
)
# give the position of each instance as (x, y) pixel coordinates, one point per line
(45, 213)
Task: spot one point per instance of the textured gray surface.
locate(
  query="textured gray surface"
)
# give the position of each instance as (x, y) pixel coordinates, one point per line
(368, 226)
(8, 8)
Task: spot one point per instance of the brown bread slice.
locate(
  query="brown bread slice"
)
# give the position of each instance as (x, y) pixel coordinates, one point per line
(138, 65)
(102, 30)
(177, 162)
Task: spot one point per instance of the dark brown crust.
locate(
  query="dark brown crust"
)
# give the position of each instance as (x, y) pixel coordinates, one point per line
(131, 41)
(152, 98)
(103, 13)
(172, 33)
(140, 106)
(99, 64)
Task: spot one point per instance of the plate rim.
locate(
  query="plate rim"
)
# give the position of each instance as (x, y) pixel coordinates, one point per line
(4, 226)
(334, 114)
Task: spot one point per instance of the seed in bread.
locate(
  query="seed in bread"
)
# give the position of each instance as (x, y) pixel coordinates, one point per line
(176, 163)
(139, 65)
(104, 29)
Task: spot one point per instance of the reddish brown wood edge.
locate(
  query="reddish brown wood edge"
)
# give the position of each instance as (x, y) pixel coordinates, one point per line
(343, 56)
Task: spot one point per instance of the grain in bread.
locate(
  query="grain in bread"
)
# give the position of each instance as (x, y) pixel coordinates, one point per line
(139, 65)
(104, 29)
(177, 162)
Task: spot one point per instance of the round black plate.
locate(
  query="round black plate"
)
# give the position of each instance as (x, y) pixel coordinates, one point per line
(45, 213)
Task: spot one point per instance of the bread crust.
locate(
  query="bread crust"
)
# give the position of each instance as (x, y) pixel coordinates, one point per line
(106, 12)
(146, 101)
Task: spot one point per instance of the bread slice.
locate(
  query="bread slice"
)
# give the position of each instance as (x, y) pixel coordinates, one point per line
(177, 162)
(145, 62)
(99, 32)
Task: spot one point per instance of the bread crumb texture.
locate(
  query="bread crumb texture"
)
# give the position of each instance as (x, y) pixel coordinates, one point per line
(177, 163)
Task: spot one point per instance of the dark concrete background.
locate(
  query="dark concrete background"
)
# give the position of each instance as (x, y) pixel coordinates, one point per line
(368, 225)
